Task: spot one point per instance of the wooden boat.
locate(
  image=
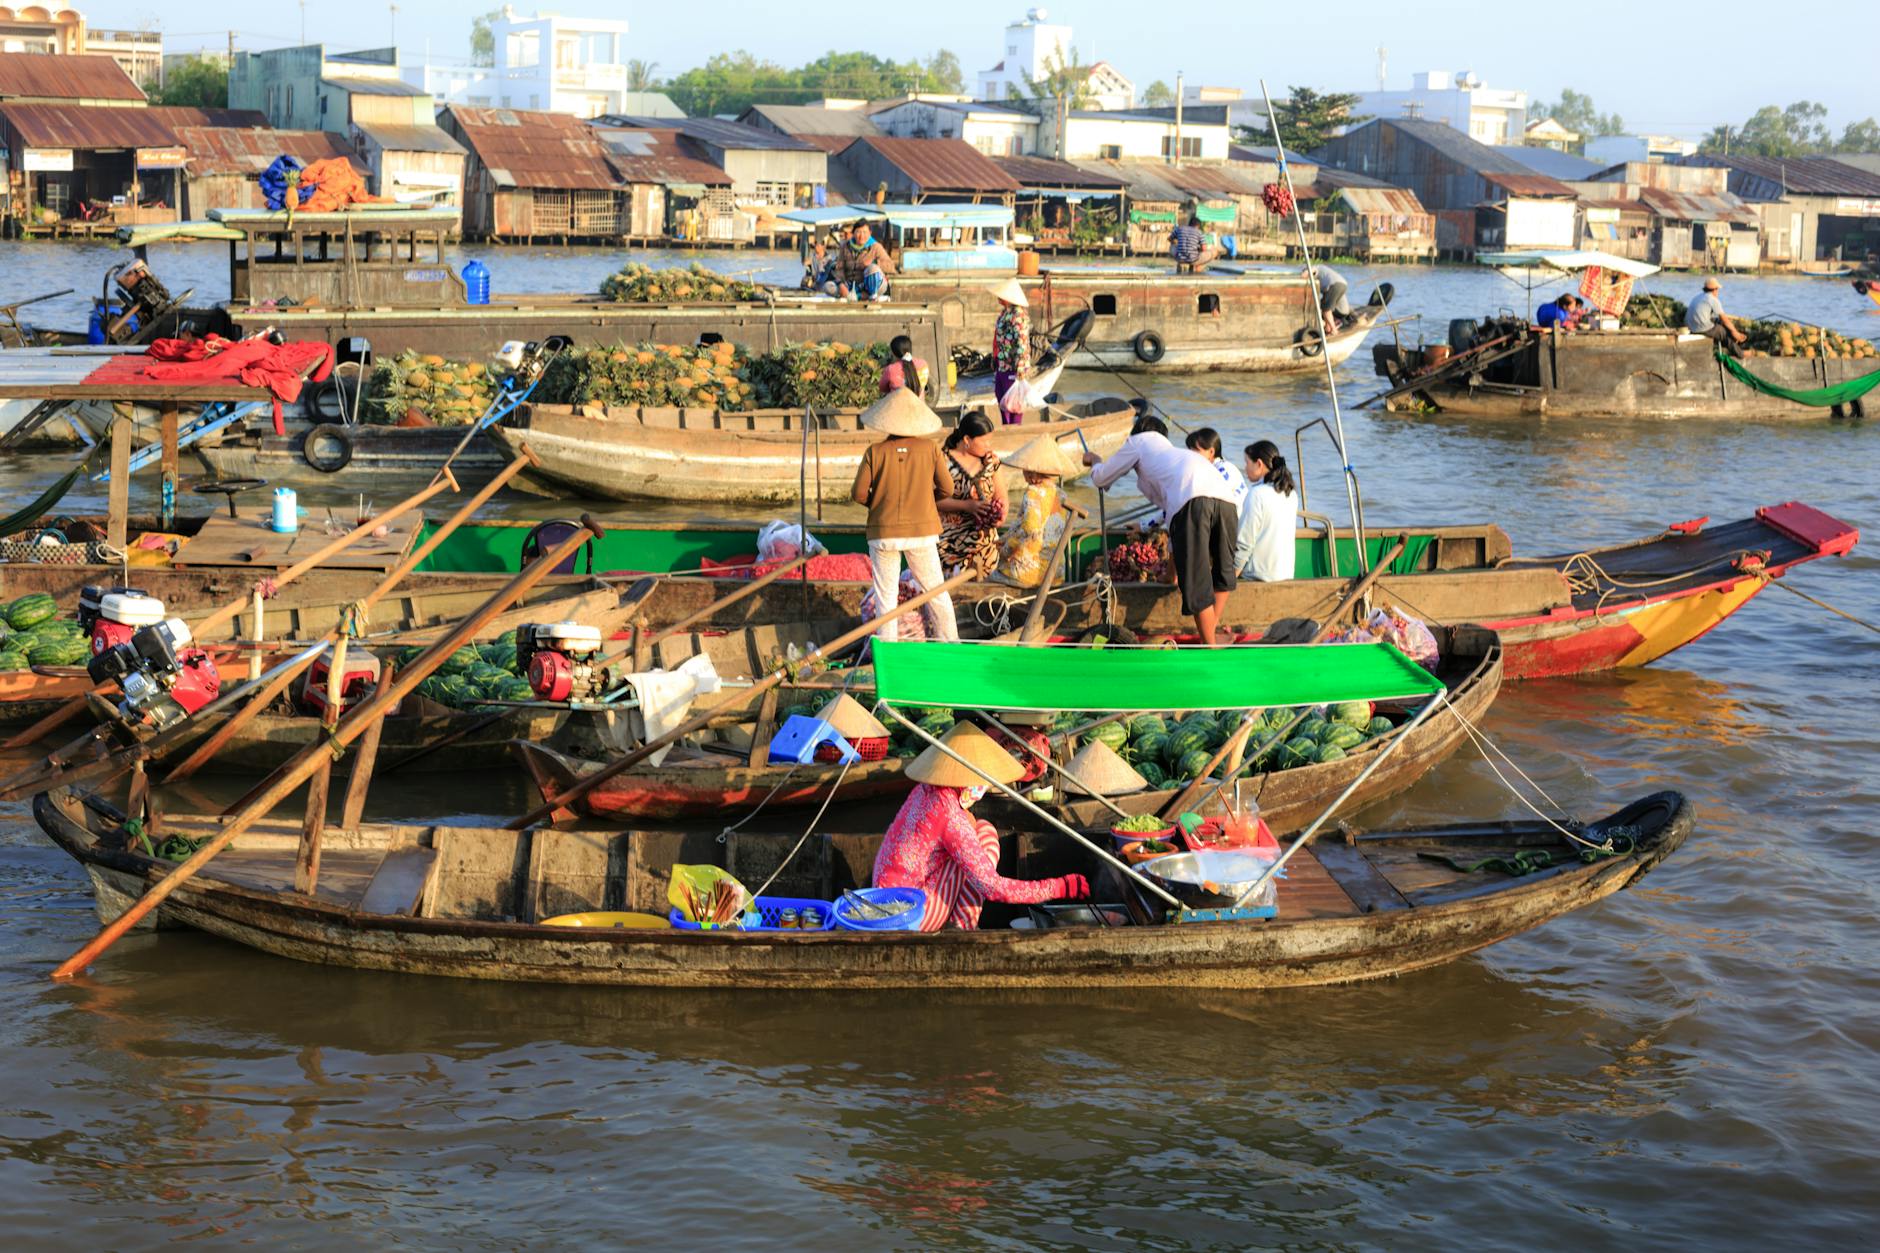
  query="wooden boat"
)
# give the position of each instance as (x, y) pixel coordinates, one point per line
(747, 458)
(704, 784)
(270, 739)
(437, 901)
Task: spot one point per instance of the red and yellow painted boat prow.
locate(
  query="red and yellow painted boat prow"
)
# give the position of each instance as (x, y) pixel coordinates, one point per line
(1640, 604)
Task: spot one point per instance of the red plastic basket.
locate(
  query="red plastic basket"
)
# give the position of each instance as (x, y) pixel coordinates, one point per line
(872, 748)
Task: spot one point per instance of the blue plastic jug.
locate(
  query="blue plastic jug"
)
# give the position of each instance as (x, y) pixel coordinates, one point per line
(476, 281)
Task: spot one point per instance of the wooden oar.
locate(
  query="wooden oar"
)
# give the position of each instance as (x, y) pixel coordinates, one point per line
(308, 760)
(1034, 619)
(634, 758)
(207, 750)
(201, 630)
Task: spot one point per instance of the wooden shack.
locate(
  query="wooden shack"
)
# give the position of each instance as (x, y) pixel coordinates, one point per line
(916, 171)
(224, 162)
(536, 176)
(667, 188)
(411, 162)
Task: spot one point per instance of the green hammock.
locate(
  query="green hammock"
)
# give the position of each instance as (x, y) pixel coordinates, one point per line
(16, 522)
(1818, 397)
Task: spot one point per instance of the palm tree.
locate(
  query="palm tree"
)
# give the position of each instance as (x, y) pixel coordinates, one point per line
(641, 75)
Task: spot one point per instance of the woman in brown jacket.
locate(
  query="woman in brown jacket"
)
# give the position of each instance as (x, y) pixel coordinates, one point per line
(901, 480)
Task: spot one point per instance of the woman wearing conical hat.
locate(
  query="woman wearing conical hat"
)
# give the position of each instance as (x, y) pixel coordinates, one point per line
(1040, 520)
(936, 845)
(1011, 343)
(901, 480)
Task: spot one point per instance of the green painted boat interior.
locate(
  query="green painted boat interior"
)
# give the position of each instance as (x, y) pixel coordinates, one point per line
(496, 547)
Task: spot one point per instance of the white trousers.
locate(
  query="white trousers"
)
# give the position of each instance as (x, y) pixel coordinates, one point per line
(923, 558)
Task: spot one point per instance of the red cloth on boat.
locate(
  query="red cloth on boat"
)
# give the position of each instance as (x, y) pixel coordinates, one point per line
(826, 567)
(935, 845)
(335, 184)
(251, 362)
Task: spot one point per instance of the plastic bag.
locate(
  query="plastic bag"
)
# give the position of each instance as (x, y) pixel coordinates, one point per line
(783, 541)
(708, 895)
(1415, 640)
(1017, 399)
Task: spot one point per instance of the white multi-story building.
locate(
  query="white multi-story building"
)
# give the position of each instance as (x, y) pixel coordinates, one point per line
(547, 63)
(1032, 47)
(1611, 150)
(1488, 115)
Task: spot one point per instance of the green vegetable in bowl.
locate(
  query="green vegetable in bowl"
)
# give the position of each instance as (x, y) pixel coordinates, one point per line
(1141, 822)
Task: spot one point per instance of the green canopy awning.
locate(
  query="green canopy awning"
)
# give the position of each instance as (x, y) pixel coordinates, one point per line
(1215, 213)
(1108, 680)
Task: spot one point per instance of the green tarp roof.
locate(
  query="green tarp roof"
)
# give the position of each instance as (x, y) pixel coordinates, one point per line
(1000, 676)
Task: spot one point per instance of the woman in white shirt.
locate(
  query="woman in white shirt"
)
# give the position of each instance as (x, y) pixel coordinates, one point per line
(1269, 516)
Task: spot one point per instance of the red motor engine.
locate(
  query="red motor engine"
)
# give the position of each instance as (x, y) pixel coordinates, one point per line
(356, 685)
(111, 615)
(559, 660)
(165, 678)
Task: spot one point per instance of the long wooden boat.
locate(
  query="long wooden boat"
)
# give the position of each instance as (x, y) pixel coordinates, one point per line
(747, 458)
(437, 901)
(270, 739)
(706, 784)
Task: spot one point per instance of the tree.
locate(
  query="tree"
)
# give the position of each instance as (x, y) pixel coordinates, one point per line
(1066, 78)
(1577, 113)
(1861, 136)
(641, 75)
(1157, 95)
(483, 39)
(731, 82)
(944, 73)
(1307, 119)
(1796, 131)
(201, 82)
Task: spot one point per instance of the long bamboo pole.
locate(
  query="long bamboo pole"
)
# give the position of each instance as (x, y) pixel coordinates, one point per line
(207, 750)
(308, 760)
(738, 696)
(723, 602)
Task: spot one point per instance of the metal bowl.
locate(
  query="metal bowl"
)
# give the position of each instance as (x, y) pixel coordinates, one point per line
(1213, 879)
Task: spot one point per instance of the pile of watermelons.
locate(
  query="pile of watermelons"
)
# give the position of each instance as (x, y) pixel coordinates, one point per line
(33, 634)
(1172, 753)
(474, 676)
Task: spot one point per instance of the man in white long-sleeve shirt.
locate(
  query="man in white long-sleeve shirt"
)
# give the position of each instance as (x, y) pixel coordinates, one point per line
(1199, 505)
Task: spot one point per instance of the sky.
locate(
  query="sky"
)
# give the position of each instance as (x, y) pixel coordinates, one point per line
(1669, 68)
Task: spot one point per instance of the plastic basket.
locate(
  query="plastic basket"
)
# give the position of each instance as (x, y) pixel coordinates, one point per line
(909, 921)
(768, 908)
(870, 748)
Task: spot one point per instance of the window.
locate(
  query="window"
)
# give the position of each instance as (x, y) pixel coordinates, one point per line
(984, 144)
(1191, 146)
(1109, 152)
(1104, 306)
(290, 102)
(1014, 146)
(1207, 303)
(773, 193)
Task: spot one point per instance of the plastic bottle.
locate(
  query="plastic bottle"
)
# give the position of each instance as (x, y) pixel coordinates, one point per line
(476, 281)
(286, 511)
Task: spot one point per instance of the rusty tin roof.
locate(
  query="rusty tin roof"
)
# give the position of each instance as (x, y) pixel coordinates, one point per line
(37, 75)
(941, 164)
(529, 149)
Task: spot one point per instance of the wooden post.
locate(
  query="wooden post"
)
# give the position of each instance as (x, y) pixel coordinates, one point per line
(365, 757)
(307, 856)
(171, 465)
(259, 634)
(118, 521)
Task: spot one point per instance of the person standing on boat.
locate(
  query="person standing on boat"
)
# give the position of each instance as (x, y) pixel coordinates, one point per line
(863, 267)
(1265, 548)
(1206, 441)
(904, 369)
(975, 508)
(900, 480)
(1332, 303)
(1706, 317)
(934, 843)
(1011, 346)
(1199, 505)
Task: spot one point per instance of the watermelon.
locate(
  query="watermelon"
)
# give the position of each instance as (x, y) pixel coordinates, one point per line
(1342, 735)
(1329, 752)
(938, 722)
(1313, 728)
(1380, 725)
(1355, 713)
(1144, 725)
(498, 655)
(31, 610)
(1152, 774)
(482, 673)
(12, 659)
(1151, 747)
(459, 661)
(1297, 752)
(1185, 739)
(1112, 734)
(57, 652)
(1193, 764)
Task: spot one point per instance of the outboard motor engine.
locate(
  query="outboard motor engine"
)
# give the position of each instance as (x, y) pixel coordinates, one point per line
(165, 678)
(111, 615)
(559, 659)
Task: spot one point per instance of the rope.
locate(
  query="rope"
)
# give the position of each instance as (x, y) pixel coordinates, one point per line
(1100, 593)
(847, 681)
(354, 620)
(1825, 605)
(1484, 745)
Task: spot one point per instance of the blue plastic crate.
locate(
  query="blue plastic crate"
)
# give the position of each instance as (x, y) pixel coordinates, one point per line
(909, 921)
(768, 908)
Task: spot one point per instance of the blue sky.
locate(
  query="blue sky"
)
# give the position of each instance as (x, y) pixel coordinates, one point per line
(1674, 68)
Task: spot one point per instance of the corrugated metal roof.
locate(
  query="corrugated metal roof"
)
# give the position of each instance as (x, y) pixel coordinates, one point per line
(408, 137)
(361, 85)
(1526, 184)
(710, 130)
(527, 149)
(831, 144)
(1044, 172)
(803, 121)
(649, 156)
(1549, 161)
(1685, 207)
(226, 150)
(1160, 181)
(941, 164)
(1454, 145)
(1380, 199)
(1806, 176)
(87, 126)
(38, 75)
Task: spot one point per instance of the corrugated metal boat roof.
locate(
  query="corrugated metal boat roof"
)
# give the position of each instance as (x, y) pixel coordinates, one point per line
(531, 149)
(941, 164)
(35, 74)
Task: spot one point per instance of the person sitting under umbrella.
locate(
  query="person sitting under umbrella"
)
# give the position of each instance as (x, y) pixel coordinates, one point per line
(936, 845)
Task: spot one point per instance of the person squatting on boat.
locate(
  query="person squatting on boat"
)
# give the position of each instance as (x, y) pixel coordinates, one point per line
(1563, 312)
(1264, 550)
(1041, 519)
(1190, 248)
(936, 845)
(1334, 308)
(901, 480)
(863, 267)
(972, 513)
(1200, 507)
(1011, 347)
(901, 362)
(1706, 317)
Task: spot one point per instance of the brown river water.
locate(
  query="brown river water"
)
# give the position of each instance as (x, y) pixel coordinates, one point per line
(1689, 1063)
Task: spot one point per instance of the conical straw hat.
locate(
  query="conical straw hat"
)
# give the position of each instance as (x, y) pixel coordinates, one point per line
(935, 767)
(1010, 292)
(901, 412)
(850, 720)
(1044, 455)
(1097, 764)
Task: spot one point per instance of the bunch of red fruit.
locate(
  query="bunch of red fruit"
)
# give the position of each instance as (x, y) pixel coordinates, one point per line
(1279, 201)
